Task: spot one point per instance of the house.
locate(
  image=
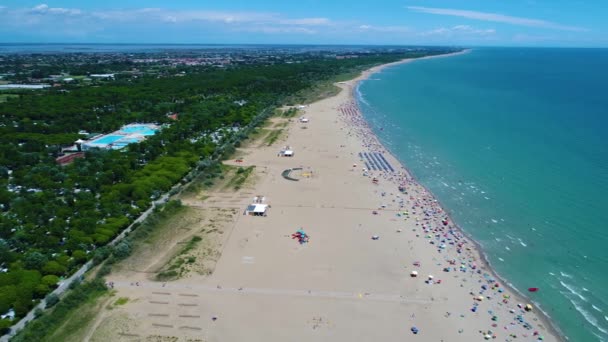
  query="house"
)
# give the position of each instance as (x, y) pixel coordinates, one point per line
(68, 158)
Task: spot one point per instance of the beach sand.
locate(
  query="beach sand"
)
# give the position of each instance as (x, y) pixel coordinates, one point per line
(342, 285)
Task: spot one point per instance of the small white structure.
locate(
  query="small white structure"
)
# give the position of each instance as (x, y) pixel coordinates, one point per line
(256, 209)
(9, 315)
(288, 153)
(102, 75)
(303, 119)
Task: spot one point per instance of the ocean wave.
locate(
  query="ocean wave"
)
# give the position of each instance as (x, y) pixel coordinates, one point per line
(573, 291)
(596, 308)
(360, 96)
(565, 275)
(588, 316)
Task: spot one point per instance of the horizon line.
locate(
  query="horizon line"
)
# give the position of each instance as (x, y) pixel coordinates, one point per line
(311, 44)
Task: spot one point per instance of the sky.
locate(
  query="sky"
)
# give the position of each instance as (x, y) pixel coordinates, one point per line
(560, 23)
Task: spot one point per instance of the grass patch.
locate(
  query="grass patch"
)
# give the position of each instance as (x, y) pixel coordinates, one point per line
(121, 301)
(167, 275)
(347, 76)
(288, 113)
(68, 320)
(239, 178)
(175, 269)
(6, 97)
(315, 93)
(153, 226)
(272, 137)
(323, 89)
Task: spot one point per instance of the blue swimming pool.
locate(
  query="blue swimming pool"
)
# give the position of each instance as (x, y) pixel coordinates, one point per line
(106, 140)
(138, 129)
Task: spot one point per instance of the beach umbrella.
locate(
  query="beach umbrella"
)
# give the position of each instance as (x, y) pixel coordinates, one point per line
(414, 273)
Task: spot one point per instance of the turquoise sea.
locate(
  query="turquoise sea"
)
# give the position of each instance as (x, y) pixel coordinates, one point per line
(514, 143)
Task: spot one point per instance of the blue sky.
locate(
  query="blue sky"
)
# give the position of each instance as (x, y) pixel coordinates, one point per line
(429, 22)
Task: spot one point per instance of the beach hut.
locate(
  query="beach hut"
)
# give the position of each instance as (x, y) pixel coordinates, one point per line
(257, 209)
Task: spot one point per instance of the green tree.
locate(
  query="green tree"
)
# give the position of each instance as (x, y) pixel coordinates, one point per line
(53, 267)
(50, 280)
(34, 260)
(8, 295)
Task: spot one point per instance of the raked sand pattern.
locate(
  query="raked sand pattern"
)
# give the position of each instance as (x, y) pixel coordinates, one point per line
(342, 285)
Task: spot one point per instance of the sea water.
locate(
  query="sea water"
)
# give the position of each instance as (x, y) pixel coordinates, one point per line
(514, 144)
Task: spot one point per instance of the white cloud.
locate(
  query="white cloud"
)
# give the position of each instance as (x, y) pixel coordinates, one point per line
(495, 17)
(277, 29)
(385, 29)
(45, 9)
(461, 30)
(43, 16)
(306, 21)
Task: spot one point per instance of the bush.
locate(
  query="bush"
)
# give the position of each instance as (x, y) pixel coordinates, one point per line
(5, 326)
(75, 283)
(104, 271)
(100, 255)
(122, 250)
(51, 300)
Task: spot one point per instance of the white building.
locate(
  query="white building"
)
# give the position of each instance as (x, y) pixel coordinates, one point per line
(256, 209)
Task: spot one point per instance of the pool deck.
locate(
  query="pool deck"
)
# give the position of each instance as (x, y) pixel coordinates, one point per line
(127, 134)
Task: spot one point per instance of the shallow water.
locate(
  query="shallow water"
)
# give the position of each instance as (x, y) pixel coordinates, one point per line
(512, 142)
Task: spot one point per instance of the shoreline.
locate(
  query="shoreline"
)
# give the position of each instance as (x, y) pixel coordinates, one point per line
(366, 74)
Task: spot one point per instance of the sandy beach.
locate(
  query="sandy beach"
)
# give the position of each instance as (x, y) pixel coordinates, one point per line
(368, 230)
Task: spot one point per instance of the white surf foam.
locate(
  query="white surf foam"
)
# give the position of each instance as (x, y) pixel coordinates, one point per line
(588, 317)
(573, 290)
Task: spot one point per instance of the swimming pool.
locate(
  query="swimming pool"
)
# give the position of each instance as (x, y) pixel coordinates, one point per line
(106, 140)
(138, 129)
(128, 134)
